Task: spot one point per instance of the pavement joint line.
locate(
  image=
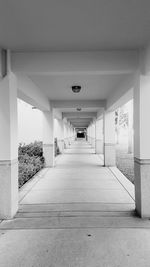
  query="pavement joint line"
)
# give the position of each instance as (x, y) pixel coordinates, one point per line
(74, 211)
(71, 228)
(121, 183)
(58, 203)
(58, 216)
(76, 189)
(40, 177)
(76, 203)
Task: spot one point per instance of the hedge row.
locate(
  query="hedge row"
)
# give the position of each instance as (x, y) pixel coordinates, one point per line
(31, 160)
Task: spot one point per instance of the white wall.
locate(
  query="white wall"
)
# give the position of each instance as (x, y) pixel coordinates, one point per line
(29, 92)
(29, 123)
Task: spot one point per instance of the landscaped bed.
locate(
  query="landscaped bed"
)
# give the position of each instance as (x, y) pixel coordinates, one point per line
(125, 162)
(31, 160)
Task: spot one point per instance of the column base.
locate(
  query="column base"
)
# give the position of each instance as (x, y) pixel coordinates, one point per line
(66, 142)
(88, 139)
(99, 146)
(8, 188)
(93, 142)
(142, 186)
(48, 153)
(61, 145)
(109, 155)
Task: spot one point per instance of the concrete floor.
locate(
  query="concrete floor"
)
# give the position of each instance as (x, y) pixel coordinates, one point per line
(75, 215)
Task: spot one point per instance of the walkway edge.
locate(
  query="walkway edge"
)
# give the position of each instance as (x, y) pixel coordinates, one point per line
(27, 187)
(129, 187)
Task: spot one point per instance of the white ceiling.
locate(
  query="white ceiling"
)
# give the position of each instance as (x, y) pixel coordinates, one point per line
(74, 25)
(94, 87)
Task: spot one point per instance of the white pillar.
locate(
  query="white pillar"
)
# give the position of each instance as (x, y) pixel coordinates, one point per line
(99, 145)
(48, 138)
(130, 128)
(66, 134)
(8, 147)
(75, 134)
(59, 133)
(70, 134)
(89, 134)
(109, 139)
(93, 133)
(142, 145)
(89, 138)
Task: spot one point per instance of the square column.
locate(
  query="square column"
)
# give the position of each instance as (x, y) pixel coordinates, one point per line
(93, 133)
(99, 143)
(130, 129)
(48, 138)
(66, 135)
(70, 134)
(90, 135)
(8, 147)
(142, 145)
(109, 139)
(61, 136)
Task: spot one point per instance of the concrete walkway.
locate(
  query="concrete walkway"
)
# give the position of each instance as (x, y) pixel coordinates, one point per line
(75, 215)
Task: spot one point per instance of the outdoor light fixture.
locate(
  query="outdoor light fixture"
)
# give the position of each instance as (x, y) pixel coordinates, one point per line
(76, 88)
(79, 109)
(34, 107)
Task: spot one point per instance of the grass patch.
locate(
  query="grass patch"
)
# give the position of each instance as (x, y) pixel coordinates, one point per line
(125, 162)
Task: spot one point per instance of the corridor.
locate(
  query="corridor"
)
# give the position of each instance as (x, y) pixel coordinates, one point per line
(76, 214)
(79, 179)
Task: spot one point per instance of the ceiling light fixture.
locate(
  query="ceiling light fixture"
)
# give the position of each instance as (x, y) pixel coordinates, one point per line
(79, 109)
(76, 88)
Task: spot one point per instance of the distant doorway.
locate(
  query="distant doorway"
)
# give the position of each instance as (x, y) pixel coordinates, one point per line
(80, 134)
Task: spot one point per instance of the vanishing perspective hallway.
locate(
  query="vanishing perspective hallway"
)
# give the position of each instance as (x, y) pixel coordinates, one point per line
(76, 214)
(79, 178)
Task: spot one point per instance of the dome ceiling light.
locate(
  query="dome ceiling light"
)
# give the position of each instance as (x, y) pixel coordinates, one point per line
(79, 109)
(76, 88)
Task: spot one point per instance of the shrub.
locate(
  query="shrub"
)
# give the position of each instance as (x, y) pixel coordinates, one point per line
(31, 160)
(57, 151)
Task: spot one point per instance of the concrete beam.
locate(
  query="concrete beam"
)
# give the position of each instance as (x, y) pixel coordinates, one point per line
(79, 114)
(79, 103)
(80, 125)
(122, 94)
(83, 124)
(30, 93)
(80, 121)
(55, 63)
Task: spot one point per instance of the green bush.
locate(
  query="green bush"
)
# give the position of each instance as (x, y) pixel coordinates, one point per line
(31, 160)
